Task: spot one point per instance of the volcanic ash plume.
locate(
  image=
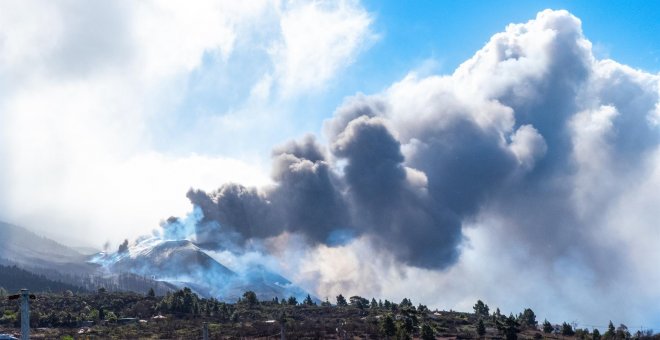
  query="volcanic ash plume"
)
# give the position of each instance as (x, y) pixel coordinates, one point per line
(532, 132)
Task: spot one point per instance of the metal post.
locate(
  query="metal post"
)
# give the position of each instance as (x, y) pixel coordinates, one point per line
(205, 331)
(25, 314)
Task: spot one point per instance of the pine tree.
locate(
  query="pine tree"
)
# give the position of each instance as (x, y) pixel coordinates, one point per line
(250, 298)
(610, 331)
(481, 328)
(547, 327)
(497, 315)
(387, 326)
(402, 333)
(427, 332)
(341, 301)
(511, 328)
(481, 309)
(567, 329)
(308, 301)
(528, 318)
(595, 335)
(374, 304)
(292, 301)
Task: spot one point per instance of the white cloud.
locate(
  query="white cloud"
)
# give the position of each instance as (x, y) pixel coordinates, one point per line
(574, 234)
(318, 39)
(528, 146)
(174, 36)
(88, 88)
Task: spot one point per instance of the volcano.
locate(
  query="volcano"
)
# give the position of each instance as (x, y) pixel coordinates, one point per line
(183, 264)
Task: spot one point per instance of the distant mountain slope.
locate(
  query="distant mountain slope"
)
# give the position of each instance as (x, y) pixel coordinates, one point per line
(157, 263)
(23, 247)
(18, 243)
(183, 264)
(12, 279)
(48, 260)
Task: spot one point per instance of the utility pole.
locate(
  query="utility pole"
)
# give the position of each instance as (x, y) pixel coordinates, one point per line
(25, 311)
(282, 320)
(25, 314)
(282, 330)
(205, 331)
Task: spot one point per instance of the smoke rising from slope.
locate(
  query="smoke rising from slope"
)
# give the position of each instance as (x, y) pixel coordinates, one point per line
(306, 195)
(532, 131)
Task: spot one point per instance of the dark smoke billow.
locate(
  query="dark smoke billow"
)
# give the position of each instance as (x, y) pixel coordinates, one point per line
(306, 199)
(374, 196)
(532, 131)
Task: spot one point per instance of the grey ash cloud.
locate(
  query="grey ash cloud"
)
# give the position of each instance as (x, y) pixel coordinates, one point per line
(532, 132)
(374, 195)
(389, 203)
(306, 198)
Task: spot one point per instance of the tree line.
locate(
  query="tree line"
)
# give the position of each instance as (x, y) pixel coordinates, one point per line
(183, 309)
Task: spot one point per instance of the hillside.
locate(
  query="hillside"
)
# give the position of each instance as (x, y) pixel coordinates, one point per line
(182, 313)
(164, 265)
(12, 279)
(30, 260)
(23, 247)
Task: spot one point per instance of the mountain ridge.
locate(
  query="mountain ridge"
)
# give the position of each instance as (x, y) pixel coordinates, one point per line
(24, 247)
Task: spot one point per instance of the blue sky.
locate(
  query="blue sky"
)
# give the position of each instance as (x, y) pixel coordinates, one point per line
(452, 31)
(428, 37)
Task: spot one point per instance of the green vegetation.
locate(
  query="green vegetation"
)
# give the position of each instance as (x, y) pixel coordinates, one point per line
(427, 332)
(387, 327)
(180, 314)
(481, 309)
(596, 334)
(566, 329)
(481, 328)
(547, 327)
(341, 301)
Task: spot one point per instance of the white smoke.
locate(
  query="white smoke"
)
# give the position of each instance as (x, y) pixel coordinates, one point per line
(552, 158)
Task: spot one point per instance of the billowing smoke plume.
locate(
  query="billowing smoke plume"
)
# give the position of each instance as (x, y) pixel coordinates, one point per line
(533, 132)
(306, 199)
(375, 195)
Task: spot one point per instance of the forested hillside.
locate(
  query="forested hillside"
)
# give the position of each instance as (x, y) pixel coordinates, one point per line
(182, 314)
(13, 279)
